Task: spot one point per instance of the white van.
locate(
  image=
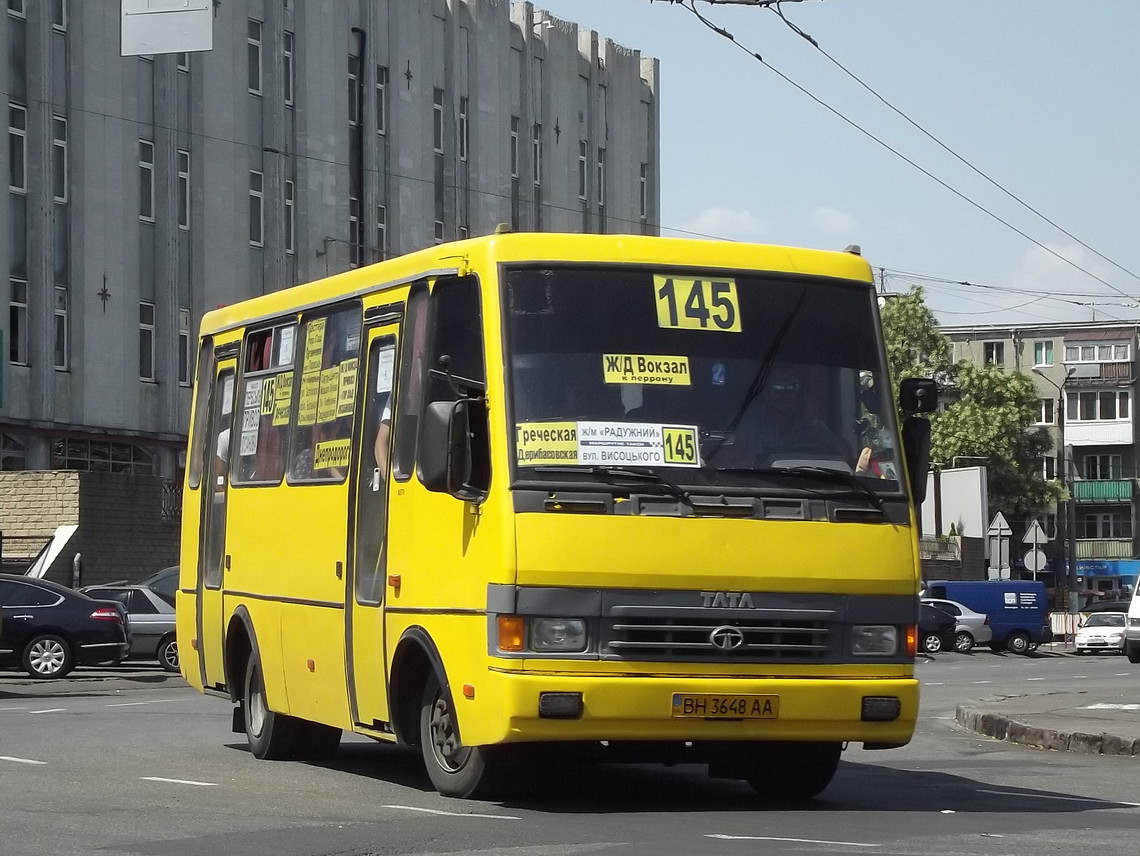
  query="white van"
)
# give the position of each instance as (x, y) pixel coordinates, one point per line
(1132, 630)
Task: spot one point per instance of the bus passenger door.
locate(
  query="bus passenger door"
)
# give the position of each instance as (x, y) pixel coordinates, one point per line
(212, 556)
(364, 625)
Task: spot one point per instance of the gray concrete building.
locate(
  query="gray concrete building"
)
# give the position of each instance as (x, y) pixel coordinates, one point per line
(1086, 379)
(316, 135)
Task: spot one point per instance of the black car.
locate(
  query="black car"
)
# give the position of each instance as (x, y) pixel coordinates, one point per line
(936, 629)
(48, 629)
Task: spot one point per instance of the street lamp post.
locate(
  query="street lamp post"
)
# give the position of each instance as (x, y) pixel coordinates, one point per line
(1065, 512)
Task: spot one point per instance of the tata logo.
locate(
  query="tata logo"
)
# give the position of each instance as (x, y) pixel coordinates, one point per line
(729, 599)
(726, 637)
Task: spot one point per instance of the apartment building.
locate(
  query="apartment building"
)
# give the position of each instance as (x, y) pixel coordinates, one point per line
(1086, 379)
(313, 137)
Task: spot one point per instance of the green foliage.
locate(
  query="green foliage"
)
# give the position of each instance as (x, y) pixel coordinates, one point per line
(990, 413)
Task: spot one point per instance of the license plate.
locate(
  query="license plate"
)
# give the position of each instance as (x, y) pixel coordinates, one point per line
(716, 706)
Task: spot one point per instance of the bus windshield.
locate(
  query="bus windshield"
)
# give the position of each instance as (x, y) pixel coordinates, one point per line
(704, 379)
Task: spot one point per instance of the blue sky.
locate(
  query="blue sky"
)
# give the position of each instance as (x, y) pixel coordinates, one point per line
(1043, 96)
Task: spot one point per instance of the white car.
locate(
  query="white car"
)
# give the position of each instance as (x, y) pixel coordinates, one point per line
(1102, 631)
(973, 627)
(1132, 631)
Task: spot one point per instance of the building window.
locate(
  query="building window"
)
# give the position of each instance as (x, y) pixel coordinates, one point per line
(290, 79)
(1049, 523)
(58, 15)
(355, 92)
(182, 62)
(382, 231)
(437, 120)
(183, 189)
(514, 146)
(17, 148)
(290, 216)
(256, 215)
(18, 321)
(61, 328)
(439, 231)
(1111, 524)
(464, 131)
(1103, 406)
(994, 353)
(1045, 414)
(146, 181)
(253, 42)
(355, 233)
(146, 341)
(1115, 352)
(101, 457)
(1049, 467)
(464, 233)
(643, 191)
(16, 8)
(381, 99)
(583, 169)
(59, 158)
(601, 177)
(1103, 467)
(185, 347)
(13, 453)
(1043, 353)
(536, 151)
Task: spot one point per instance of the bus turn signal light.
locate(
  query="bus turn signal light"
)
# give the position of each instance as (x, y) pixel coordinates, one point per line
(511, 635)
(912, 640)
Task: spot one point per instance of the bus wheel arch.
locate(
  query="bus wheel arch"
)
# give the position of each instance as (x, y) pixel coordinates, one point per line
(416, 658)
(240, 645)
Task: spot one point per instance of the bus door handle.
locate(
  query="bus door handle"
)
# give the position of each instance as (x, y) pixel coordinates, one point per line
(227, 561)
(339, 570)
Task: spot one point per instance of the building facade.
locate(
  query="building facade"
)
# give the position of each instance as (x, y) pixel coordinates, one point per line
(314, 136)
(1086, 379)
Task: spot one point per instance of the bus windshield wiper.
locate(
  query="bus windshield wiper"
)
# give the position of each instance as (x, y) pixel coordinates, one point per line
(629, 473)
(816, 473)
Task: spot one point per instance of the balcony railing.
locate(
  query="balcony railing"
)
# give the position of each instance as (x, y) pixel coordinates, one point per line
(939, 547)
(1103, 490)
(1104, 548)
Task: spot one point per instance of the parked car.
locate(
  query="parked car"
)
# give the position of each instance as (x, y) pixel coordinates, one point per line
(164, 583)
(48, 629)
(1017, 609)
(1106, 606)
(973, 627)
(1132, 630)
(935, 629)
(1101, 631)
(152, 621)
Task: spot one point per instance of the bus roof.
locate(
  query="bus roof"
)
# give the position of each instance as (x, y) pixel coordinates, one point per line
(540, 247)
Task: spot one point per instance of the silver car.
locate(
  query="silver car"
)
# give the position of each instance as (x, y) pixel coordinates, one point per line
(152, 620)
(973, 627)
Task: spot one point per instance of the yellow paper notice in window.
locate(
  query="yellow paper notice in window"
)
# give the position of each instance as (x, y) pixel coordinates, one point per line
(546, 443)
(326, 404)
(307, 406)
(346, 389)
(646, 368)
(314, 344)
(282, 398)
(333, 453)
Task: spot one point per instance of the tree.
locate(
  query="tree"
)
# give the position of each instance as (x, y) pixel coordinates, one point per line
(989, 414)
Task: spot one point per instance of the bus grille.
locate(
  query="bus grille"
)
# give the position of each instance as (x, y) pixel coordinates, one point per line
(762, 640)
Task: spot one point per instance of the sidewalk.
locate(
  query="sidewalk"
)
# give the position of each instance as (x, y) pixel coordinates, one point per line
(1104, 723)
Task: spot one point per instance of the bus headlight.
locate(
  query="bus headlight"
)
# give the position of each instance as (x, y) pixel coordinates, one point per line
(874, 640)
(558, 634)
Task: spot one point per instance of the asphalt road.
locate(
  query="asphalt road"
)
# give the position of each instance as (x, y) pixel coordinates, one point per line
(135, 762)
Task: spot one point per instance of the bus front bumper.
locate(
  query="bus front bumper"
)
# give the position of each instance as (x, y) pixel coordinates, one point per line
(543, 707)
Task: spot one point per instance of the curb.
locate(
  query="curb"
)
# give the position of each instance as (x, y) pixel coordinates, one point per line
(1002, 727)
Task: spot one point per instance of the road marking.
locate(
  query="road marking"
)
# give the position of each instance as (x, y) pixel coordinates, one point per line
(20, 760)
(179, 781)
(1123, 675)
(794, 840)
(934, 683)
(6, 709)
(49, 710)
(1034, 679)
(983, 682)
(1109, 706)
(1080, 676)
(137, 703)
(1038, 796)
(452, 813)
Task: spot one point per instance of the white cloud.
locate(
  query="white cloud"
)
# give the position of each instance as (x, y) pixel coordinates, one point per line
(835, 223)
(733, 224)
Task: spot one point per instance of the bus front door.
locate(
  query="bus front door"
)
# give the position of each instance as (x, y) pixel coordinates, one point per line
(212, 557)
(364, 625)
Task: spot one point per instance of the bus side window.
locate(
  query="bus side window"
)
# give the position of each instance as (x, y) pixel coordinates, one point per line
(411, 384)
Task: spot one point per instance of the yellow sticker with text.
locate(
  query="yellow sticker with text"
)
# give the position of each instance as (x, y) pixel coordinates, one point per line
(697, 304)
(681, 447)
(346, 389)
(546, 443)
(267, 400)
(331, 453)
(282, 398)
(645, 368)
(326, 403)
(314, 344)
(310, 391)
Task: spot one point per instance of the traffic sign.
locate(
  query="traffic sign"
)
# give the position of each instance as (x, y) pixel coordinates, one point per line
(1035, 535)
(999, 526)
(1034, 560)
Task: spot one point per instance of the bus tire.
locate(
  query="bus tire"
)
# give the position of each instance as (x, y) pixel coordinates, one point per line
(792, 771)
(271, 736)
(314, 741)
(1018, 642)
(455, 770)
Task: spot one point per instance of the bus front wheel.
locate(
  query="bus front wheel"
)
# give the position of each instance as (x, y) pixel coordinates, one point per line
(792, 771)
(272, 736)
(455, 770)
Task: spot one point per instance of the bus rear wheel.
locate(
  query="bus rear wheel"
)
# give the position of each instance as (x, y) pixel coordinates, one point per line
(454, 769)
(792, 771)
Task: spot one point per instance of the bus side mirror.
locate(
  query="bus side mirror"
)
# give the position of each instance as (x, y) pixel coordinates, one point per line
(451, 454)
(918, 395)
(916, 449)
